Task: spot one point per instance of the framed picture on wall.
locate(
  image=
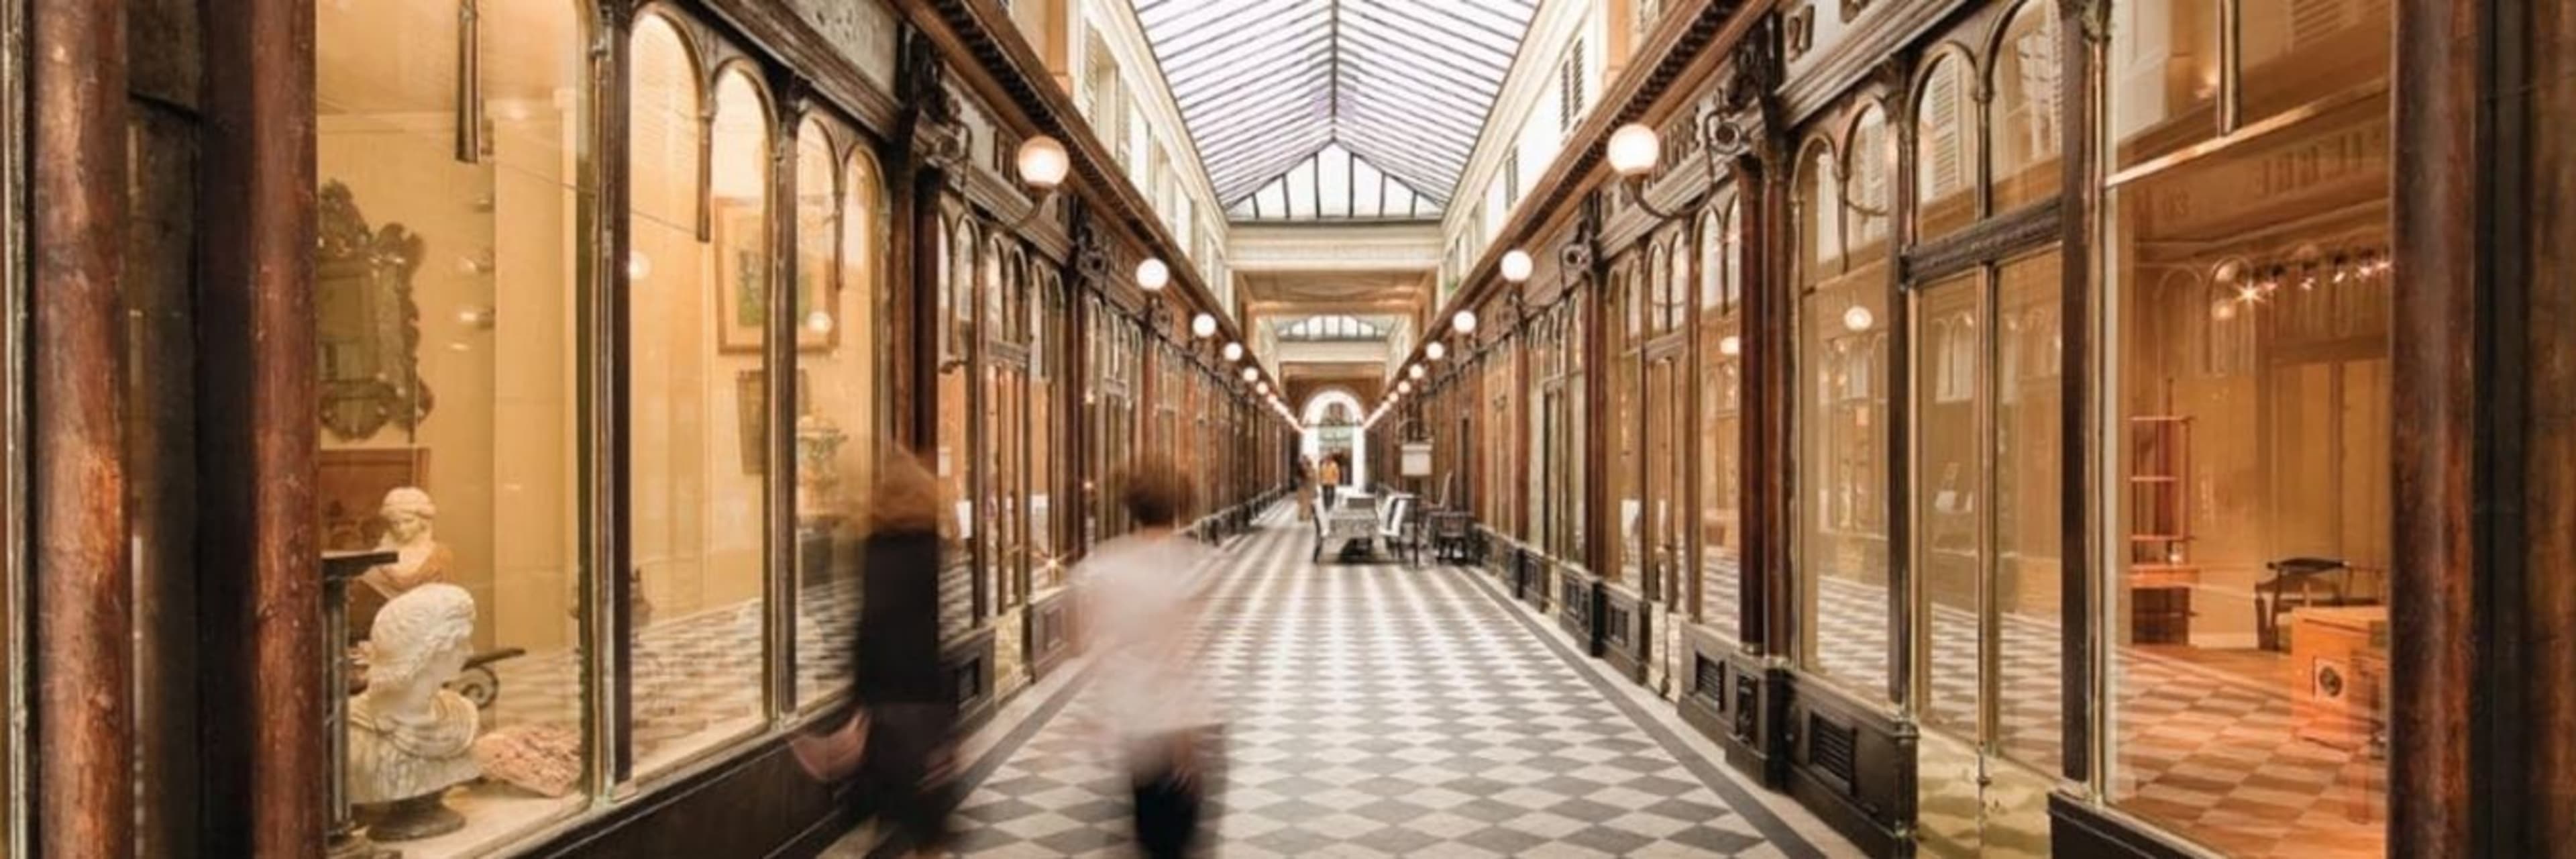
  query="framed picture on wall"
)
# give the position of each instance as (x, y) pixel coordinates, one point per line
(742, 288)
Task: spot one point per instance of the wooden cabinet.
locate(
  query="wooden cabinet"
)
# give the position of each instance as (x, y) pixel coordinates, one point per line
(2339, 654)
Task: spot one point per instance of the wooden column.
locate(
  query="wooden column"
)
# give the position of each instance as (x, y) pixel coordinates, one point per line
(2079, 106)
(263, 556)
(2482, 605)
(83, 729)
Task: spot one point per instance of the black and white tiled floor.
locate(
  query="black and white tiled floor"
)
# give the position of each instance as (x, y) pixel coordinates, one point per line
(1379, 710)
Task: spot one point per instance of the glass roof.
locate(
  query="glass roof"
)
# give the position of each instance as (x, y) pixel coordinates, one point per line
(1332, 328)
(1331, 184)
(1267, 85)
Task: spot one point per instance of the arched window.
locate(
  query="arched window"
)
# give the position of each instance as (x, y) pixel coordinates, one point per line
(1872, 172)
(2025, 115)
(1820, 215)
(1945, 147)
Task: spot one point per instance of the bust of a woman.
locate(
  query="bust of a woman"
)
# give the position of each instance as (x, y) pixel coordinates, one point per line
(411, 523)
(410, 738)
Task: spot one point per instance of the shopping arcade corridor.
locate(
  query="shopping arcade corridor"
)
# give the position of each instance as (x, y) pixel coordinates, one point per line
(1386, 710)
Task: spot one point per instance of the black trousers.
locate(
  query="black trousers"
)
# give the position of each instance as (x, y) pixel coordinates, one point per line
(1167, 815)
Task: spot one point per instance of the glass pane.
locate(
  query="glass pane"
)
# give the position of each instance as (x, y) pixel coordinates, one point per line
(2029, 469)
(1949, 482)
(839, 433)
(1945, 143)
(1820, 219)
(1046, 467)
(698, 501)
(1841, 422)
(2027, 139)
(2163, 76)
(1665, 410)
(1873, 184)
(446, 294)
(960, 601)
(2252, 373)
(2293, 53)
(1627, 425)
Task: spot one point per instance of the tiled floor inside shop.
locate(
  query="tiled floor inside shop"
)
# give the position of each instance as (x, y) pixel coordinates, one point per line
(1380, 710)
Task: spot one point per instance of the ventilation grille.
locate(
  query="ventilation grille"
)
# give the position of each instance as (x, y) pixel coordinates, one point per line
(1832, 748)
(1712, 681)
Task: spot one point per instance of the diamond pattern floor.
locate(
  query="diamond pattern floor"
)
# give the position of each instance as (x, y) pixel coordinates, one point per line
(1376, 710)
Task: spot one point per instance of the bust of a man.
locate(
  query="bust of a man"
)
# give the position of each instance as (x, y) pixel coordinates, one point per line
(410, 738)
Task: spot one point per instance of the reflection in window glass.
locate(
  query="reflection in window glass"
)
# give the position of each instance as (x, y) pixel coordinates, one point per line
(698, 407)
(452, 441)
(1945, 147)
(1840, 420)
(840, 425)
(2028, 430)
(1869, 195)
(2295, 54)
(961, 600)
(2163, 75)
(1627, 426)
(2027, 138)
(2249, 622)
(1721, 424)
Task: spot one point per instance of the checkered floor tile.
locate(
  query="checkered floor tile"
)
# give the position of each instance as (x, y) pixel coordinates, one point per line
(1378, 710)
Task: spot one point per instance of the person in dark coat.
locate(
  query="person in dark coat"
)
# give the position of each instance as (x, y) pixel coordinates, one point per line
(904, 777)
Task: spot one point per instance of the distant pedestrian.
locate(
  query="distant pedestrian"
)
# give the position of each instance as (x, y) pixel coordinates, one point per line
(1329, 477)
(1143, 597)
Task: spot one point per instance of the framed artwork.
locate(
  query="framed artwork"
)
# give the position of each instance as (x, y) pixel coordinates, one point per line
(742, 288)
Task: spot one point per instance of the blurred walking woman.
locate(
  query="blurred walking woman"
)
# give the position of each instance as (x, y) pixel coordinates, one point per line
(903, 776)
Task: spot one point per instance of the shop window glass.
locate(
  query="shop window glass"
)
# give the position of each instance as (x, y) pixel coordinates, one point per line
(1627, 430)
(1949, 503)
(2026, 120)
(961, 599)
(698, 408)
(1841, 549)
(840, 423)
(1046, 427)
(2249, 620)
(2028, 431)
(1945, 149)
(1721, 424)
(1870, 192)
(446, 282)
(2163, 75)
(1820, 215)
(2297, 53)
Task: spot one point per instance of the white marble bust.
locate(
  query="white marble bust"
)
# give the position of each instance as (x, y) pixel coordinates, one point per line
(409, 737)
(411, 533)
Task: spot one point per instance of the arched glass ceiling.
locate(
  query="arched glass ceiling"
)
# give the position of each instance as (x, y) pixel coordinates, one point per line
(1404, 84)
(1332, 328)
(1334, 183)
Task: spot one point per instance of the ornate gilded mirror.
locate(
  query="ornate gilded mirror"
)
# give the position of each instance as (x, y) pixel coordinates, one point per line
(369, 329)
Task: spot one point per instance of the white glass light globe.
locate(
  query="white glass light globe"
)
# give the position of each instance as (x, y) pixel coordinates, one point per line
(1517, 266)
(1262, 387)
(1203, 325)
(1634, 149)
(1859, 318)
(1153, 275)
(1043, 163)
(1234, 352)
(1414, 371)
(1434, 350)
(1250, 374)
(1404, 387)
(1465, 321)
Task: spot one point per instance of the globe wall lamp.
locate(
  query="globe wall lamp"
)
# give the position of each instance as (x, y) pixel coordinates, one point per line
(1043, 165)
(1203, 326)
(1434, 350)
(1233, 352)
(1636, 149)
(1152, 275)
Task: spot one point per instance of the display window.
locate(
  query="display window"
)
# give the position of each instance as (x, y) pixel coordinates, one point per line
(841, 422)
(1627, 426)
(1841, 551)
(962, 598)
(2025, 135)
(2248, 363)
(1945, 146)
(1047, 431)
(698, 406)
(446, 272)
(1720, 428)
